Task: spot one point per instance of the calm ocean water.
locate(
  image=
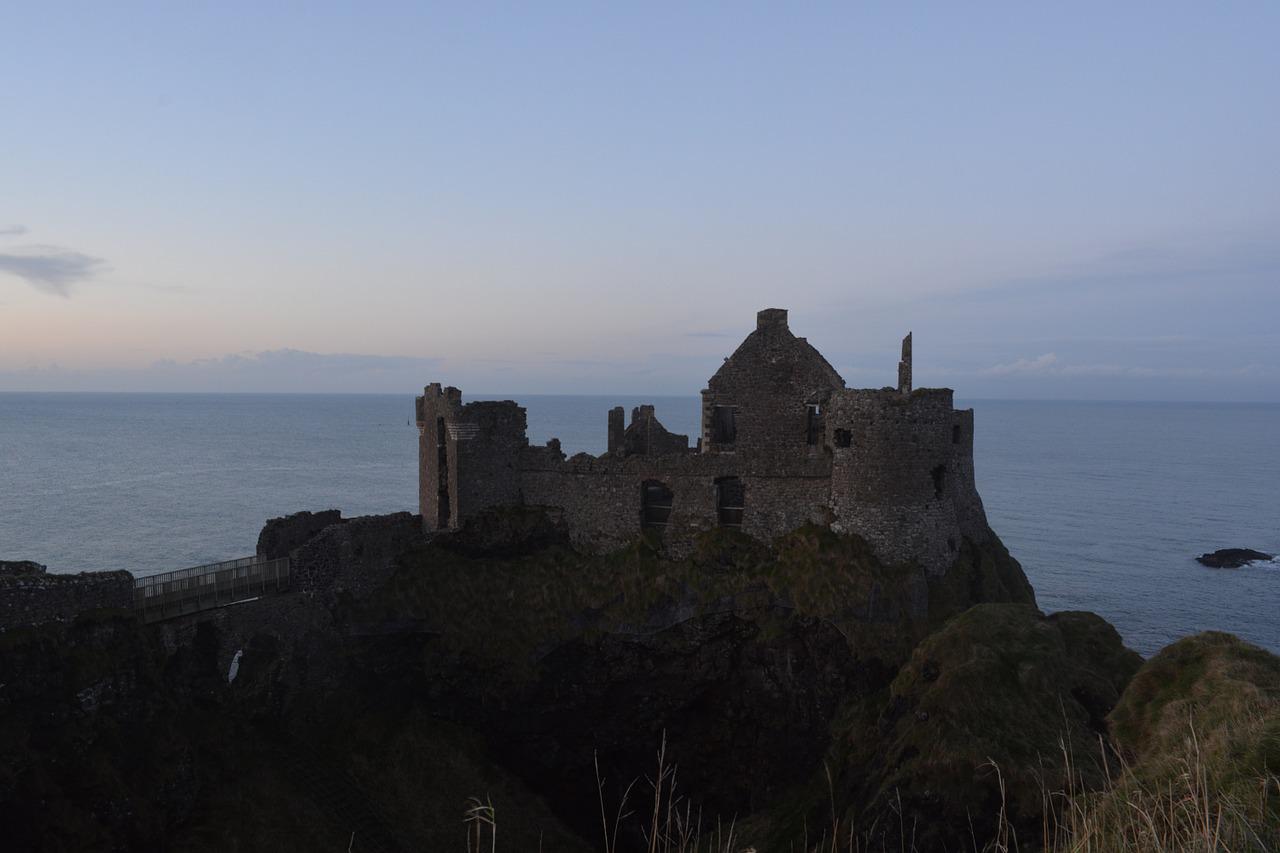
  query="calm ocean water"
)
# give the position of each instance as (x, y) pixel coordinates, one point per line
(1105, 504)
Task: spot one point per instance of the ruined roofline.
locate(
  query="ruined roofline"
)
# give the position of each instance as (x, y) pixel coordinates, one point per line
(769, 322)
(772, 322)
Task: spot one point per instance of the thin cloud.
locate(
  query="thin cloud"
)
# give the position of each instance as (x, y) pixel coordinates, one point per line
(51, 269)
(1040, 364)
(283, 370)
(1156, 266)
(12, 230)
(1050, 365)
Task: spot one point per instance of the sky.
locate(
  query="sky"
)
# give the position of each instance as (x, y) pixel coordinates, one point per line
(1075, 201)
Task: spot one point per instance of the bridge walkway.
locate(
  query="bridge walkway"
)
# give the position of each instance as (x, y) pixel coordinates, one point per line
(179, 593)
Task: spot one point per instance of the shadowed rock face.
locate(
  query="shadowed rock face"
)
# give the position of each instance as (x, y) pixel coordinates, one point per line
(746, 657)
(746, 710)
(1233, 558)
(410, 675)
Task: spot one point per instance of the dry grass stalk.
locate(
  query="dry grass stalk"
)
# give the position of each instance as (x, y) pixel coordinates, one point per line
(1190, 812)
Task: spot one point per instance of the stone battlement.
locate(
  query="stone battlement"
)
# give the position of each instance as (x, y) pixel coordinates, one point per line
(783, 443)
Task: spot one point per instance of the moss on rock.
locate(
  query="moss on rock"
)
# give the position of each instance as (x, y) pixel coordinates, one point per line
(991, 712)
(1208, 705)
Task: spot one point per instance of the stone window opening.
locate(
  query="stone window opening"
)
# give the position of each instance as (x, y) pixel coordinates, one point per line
(724, 426)
(656, 501)
(955, 434)
(813, 423)
(843, 438)
(731, 498)
(939, 475)
(442, 486)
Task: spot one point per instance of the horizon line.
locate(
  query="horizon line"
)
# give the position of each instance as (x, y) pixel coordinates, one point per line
(483, 396)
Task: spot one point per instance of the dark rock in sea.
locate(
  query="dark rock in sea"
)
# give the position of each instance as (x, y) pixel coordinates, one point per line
(1233, 558)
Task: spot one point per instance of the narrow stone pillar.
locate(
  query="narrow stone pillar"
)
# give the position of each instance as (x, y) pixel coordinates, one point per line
(904, 366)
(617, 429)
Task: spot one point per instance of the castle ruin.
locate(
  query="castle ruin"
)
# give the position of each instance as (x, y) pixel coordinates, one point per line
(783, 443)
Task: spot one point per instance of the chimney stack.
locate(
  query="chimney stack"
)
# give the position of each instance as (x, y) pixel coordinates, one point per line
(904, 366)
(771, 318)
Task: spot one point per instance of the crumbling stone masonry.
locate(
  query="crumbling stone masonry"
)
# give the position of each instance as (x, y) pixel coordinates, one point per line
(783, 442)
(30, 595)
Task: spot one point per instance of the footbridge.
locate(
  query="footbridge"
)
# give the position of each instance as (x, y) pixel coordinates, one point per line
(185, 591)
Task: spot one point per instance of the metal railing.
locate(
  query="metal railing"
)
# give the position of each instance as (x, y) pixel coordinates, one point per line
(184, 591)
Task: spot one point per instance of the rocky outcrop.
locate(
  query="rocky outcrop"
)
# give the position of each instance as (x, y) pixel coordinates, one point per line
(91, 754)
(1202, 719)
(1233, 558)
(747, 658)
(110, 740)
(406, 674)
(999, 708)
(1211, 688)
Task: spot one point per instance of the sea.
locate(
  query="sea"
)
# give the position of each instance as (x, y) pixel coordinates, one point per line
(1105, 504)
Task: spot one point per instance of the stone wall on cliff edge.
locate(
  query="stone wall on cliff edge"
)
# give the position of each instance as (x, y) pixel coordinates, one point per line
(280, 536)
(30, 595)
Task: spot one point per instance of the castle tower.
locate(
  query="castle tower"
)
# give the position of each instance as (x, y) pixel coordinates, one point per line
(902, 471)
(467, 456)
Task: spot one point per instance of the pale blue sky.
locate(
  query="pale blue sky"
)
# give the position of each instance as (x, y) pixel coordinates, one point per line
(1079, 201)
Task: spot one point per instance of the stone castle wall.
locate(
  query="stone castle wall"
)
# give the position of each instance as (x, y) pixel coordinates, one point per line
(781, 434)
(484, 455)
(372, 543)
(903, 473)
(29, 595)
(601, 496)
(476, 445)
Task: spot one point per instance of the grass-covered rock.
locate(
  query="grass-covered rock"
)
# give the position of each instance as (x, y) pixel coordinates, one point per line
(1210, 688)
(998, 708)
(1199, 731)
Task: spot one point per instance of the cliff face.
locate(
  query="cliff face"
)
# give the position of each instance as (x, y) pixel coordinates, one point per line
(757, 664)
(93, 753)
(406, 676)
